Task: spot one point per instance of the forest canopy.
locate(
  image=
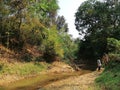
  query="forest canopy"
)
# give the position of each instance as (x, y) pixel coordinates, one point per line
(100, 23)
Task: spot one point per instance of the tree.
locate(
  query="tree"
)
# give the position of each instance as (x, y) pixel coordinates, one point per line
(62, 26)
(53, 45)
(45, 10)
(11, 21)
(26, 21)
(98, 21)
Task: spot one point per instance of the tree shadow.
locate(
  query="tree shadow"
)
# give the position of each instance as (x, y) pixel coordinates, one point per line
(86, 65)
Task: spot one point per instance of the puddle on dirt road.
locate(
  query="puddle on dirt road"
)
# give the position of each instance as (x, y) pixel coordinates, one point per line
(37, 82)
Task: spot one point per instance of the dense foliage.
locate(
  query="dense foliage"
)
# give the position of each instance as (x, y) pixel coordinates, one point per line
(35, 22)
(110, 78)
(99, 22)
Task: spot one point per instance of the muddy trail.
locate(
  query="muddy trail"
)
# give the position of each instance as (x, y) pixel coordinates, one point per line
(42, 81)
(81, 82)
(59, 77)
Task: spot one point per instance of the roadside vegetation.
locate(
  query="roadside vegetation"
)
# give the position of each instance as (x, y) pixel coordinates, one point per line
(21, 69)
(110, 78)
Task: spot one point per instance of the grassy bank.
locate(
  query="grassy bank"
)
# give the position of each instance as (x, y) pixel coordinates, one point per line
(110, 78)
(21, 69)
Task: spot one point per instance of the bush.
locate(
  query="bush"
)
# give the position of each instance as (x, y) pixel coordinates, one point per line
(113, 45)
(26, 57)
(53, 45)
(114, 57)
(110, 78)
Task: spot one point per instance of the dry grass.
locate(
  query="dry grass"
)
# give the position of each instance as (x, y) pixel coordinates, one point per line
(10, 72)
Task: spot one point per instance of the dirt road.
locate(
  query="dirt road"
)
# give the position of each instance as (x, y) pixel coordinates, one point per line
(83, 82)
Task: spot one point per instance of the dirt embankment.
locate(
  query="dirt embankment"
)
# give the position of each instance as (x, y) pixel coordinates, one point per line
(10, 58)
(55, 67)
(59, 67)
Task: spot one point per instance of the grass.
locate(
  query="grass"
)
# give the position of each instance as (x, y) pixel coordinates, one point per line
(18, 68)
(110, 78)
(11, 66)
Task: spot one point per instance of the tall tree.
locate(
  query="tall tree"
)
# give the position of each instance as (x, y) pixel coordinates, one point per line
(62, 26)
(98, 21)
(45, 10)
(21, 19)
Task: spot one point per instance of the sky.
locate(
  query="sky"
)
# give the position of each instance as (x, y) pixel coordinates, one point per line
(68, 8)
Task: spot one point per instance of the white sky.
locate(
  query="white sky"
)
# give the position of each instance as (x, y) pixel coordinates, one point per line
(68, 8)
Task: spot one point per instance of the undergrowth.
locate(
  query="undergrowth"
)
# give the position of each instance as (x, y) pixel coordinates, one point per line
(110, 78)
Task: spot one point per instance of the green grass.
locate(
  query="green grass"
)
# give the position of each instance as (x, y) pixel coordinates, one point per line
(110, 78)
(21, 68)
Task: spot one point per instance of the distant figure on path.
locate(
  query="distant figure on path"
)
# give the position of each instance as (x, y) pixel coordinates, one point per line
(99, 64)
